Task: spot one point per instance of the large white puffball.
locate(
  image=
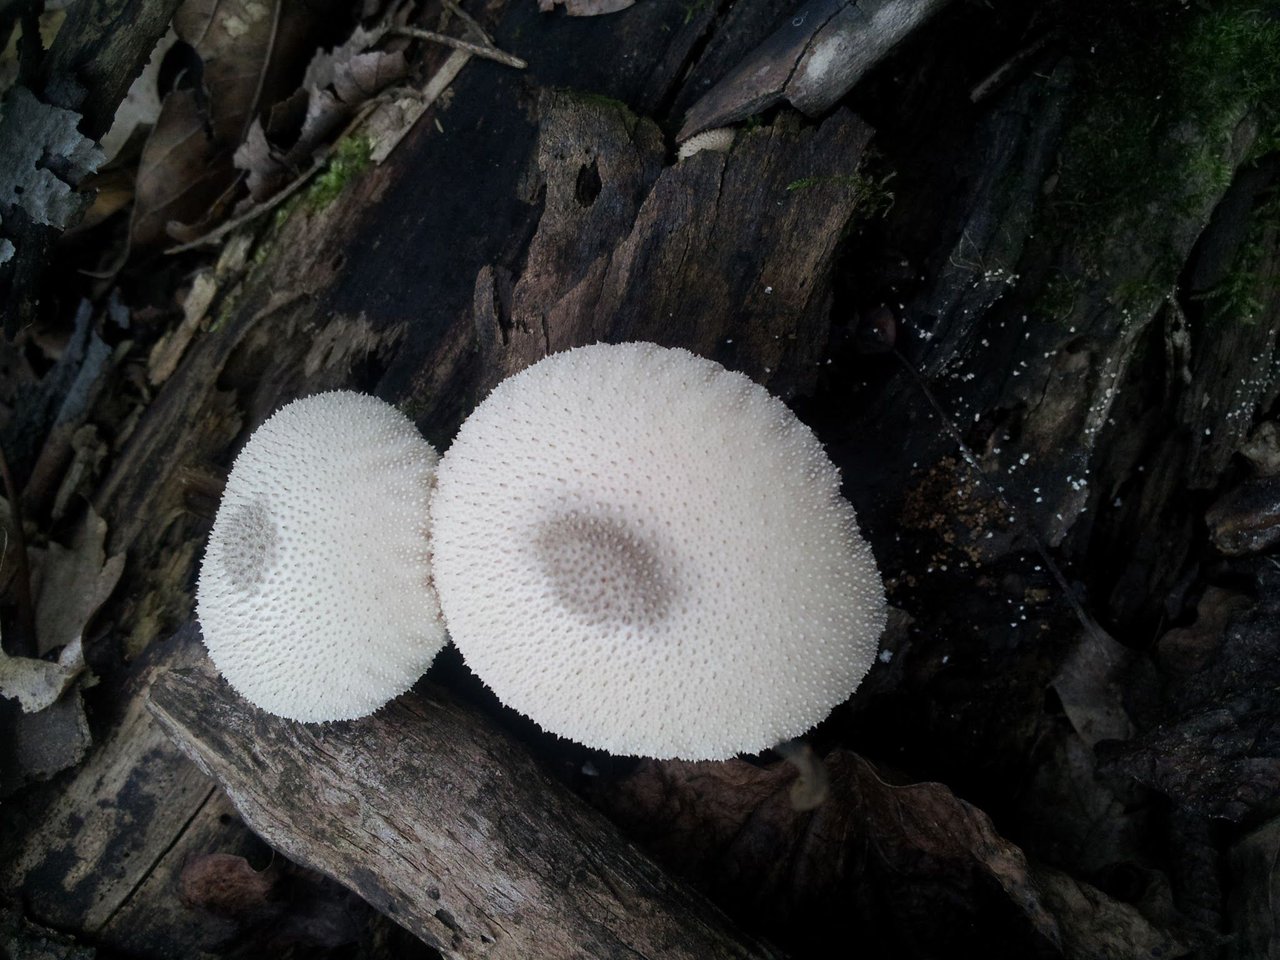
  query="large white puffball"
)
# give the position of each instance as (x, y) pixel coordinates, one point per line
(315, 596)
(649, 554)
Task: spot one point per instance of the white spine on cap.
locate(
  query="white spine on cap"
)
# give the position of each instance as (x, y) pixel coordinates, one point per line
(649, 554)
(315, 596)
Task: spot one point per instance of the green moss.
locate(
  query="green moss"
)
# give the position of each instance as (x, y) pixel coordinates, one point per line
(349, 158)
(1167, 86)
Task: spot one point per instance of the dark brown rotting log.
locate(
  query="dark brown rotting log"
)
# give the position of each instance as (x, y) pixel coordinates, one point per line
(443, 822)
(726, 254)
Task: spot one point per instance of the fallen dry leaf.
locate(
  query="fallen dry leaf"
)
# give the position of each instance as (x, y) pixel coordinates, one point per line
(235, 40)
(252, 52)
(37, 684)
(1091, 685)
(585, 8)
(41, 744)
(334, 87)
(112, 191)
(75, 582)
(919, 859)
(181, 173)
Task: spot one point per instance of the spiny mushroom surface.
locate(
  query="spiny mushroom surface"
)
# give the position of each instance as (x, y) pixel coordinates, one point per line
(315, 595)
(649, 554)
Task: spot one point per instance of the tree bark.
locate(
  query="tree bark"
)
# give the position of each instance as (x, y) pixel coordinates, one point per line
(443, 822)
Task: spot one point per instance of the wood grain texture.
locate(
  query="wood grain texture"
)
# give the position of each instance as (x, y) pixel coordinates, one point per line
(443, 822)
(725, 254)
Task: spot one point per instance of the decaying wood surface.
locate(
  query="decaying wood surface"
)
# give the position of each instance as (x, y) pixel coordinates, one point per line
(1059, 314)
(445, 823)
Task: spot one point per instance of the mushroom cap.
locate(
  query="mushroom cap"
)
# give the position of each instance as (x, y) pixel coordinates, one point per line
(649, 554)
(315, 595)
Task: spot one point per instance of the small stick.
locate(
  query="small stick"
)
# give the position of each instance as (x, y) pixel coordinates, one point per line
(25, 644)
(297, 184)
(456, 9)
(479, 50)
(266, 206)
(984, 88)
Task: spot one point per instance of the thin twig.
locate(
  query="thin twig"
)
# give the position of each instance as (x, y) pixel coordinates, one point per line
(266, 206)
(479, 50)
(25, 644)
(994, 79)
(456, 9)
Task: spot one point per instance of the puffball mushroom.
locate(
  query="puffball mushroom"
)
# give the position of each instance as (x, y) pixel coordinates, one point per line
(649, 554)
(315, 595)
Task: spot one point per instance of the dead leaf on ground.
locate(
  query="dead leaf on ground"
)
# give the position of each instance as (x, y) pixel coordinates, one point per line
(234, 39)
(336, 84)
(1215, 751)
(1091, 684)
(911, 854)
(37, 684)
(39, 745)
(585, 8)
(181, 173)
(252, 52)
(112, 192)
(75, 582)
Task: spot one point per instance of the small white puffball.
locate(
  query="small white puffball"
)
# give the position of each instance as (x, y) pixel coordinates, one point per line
(719, 140)
(315, 596)
(649, 554)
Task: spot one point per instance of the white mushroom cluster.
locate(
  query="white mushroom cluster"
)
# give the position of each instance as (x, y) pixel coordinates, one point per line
(649, 554)
(637, 548)
(315, 596)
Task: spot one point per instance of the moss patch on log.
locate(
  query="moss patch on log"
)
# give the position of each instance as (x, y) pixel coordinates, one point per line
(350, 158)
(1161, 126)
